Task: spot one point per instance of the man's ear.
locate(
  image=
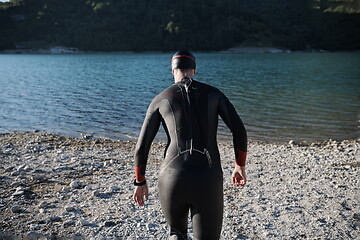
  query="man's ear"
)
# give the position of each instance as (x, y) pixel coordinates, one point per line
(172, 72)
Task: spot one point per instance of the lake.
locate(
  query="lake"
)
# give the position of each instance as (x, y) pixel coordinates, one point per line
(280, 97)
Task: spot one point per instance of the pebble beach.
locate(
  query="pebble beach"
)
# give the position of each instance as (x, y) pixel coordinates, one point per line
(58, 187)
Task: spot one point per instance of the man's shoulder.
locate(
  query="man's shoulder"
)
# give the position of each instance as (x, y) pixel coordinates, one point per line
(207, 87)
(170, 90)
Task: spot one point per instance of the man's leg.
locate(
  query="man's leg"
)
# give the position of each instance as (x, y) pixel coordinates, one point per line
(178, 221)
(174, 207)
(207, 211)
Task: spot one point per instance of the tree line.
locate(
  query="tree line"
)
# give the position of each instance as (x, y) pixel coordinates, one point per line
(164, 25)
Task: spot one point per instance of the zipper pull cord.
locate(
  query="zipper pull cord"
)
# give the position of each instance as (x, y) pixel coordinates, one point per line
(187, 82)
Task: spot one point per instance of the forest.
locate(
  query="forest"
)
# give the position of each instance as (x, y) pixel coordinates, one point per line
(164, 25)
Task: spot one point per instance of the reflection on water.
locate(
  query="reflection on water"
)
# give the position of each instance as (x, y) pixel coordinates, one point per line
(278, 96)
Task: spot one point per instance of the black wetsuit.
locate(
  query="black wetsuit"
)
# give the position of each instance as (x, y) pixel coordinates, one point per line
(190, 175)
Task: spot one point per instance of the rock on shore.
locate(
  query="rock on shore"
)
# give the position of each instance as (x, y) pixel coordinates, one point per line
(56, 187)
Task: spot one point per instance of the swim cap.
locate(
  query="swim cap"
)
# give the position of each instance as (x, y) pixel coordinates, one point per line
(183, 60)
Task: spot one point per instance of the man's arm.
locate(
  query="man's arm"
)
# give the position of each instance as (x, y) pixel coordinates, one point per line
(148, 132)
(233, 122)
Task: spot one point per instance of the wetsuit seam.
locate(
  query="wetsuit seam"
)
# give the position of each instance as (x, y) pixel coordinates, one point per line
(173, 118)
(205, 152)
(180, 153)
(180, 99)
(209, 157)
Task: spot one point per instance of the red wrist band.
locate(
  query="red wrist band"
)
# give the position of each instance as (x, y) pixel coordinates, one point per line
(139, 176)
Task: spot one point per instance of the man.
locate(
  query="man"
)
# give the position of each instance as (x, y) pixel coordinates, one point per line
(190, 175)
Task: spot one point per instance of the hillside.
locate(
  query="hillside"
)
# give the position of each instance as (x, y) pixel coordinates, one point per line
(163, 25)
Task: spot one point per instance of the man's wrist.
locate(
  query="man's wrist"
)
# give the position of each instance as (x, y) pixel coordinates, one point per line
(142, 183)
(241, 167)
(240, 157)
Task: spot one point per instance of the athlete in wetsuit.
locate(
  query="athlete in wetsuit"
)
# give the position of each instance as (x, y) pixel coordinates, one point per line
(190, 175)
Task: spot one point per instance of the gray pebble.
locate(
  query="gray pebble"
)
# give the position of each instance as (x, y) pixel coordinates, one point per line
(109, 224)
(84, 222)
(114, 189)
(75, 184)
(21, 167)
(38, 177)
(96, 193)
(35, 236)
(69, 208)
(34, 227)
(21, 188)
(9, 169)
(15, 173)
(55, 218)
(68, 223)
(15, 209)
(65, 214)
(18, 193)
(43, 204)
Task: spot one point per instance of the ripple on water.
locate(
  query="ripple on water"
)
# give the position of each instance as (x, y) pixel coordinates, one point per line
(279, 96)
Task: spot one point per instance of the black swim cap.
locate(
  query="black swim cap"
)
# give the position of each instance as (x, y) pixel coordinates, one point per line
(183, 60)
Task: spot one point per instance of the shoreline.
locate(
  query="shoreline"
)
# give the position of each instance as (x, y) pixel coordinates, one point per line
(162, 140)
(59, 187)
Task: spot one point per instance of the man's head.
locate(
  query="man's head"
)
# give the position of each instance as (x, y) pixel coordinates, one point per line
(183, 64)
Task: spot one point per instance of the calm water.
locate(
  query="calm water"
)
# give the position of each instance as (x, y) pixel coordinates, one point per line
(300, 96)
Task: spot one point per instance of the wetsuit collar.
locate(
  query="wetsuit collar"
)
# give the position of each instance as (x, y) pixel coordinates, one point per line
(185, 81)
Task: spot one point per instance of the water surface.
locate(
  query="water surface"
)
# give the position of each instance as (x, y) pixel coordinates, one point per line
(280, 97)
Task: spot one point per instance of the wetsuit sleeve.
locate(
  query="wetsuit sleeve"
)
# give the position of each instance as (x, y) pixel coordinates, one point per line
(232, 120)
(148, 131)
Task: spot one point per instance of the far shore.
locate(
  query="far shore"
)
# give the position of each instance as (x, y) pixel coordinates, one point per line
(234, 50)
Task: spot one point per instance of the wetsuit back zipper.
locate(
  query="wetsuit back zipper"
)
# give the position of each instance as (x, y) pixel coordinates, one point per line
(187, 84)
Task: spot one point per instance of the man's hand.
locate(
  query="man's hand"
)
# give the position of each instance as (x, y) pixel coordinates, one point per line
(239, 176)
(139, 193)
